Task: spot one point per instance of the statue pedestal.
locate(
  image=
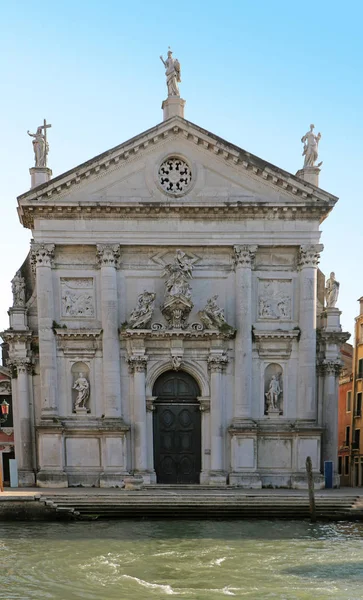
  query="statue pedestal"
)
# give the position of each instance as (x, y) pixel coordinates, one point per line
(173, 107)
(309, 174)
(39, 175)
(331, 319)
(81, 411)
(18, 318)
(273, 412)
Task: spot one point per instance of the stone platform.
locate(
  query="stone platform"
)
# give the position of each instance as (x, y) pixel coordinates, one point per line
(177, 502)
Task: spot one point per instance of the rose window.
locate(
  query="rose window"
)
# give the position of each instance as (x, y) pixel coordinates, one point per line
(175, 176)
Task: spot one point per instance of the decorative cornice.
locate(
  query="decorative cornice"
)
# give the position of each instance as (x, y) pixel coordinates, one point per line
(137, 363)
(217, 362)
(244, 256)
(332, 337)
(166, 334)
(309, 255)
(275, 343)
(43, 201)
(108, 255)
(41, 255)
(14, 336)
(77, 334)
(213, 210)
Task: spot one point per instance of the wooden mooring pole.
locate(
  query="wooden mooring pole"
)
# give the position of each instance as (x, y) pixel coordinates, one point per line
(309, 471)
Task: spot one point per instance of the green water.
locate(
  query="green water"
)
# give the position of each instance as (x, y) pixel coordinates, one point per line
(184, 559)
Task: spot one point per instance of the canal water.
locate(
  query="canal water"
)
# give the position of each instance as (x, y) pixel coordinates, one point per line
(137, 560)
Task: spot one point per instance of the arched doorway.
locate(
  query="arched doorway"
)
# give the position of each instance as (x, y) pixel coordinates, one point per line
(176, 428)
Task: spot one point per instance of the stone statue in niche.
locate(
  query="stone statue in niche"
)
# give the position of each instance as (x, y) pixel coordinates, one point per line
(18, 289)
(274, 301)
(77, 297)
(311, 143)
(82, 387)
(141, 316)
(331, 291)
(172, 72)
(212, 316)
(273, 393)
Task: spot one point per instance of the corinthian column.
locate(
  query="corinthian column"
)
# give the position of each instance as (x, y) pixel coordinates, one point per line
(243, 257)
(306, 392)
(217, 362)
(42, 260)
(23, 423)
(108, 256)
(137, 366)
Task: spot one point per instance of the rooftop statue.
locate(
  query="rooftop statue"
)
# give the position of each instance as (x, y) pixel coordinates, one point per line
(311, 143)
(40, 145)
(172, 72)
(18, 289)
(331, 291)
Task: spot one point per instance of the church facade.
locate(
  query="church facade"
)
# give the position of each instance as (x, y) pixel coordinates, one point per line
(166, 323)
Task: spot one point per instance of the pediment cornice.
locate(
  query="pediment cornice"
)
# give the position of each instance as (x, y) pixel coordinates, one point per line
(47, 200)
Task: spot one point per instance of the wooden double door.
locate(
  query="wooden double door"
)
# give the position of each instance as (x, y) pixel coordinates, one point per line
(177, 429)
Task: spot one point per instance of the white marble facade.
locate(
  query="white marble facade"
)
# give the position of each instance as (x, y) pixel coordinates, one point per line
(104, 233)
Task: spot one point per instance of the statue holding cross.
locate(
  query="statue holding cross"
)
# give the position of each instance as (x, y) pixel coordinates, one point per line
(40, 145)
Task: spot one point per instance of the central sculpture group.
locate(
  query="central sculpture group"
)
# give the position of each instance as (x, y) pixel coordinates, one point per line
(177, 301)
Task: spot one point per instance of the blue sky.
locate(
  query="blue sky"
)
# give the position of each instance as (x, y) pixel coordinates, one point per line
(255, 73)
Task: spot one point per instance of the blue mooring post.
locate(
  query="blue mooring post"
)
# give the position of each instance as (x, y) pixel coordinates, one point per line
(328, 473)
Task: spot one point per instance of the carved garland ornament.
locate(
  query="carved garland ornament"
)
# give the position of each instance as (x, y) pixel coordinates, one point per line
(174, 176)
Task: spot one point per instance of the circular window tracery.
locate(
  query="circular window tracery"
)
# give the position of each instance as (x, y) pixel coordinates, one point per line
(175, 176)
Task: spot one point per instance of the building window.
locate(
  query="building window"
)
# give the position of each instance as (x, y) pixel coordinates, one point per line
(340, 465)
(349, 401)
(346, 465)
(357, 439)
(358, 411)
(360, 368)
(347, 436)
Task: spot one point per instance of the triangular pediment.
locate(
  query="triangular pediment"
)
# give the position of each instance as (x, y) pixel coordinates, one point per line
(218, 172)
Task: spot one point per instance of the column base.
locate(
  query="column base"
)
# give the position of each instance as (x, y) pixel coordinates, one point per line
(148, 477)
(249, 481)
(134, 482)
(113, 480)
(299, 481)
(26, 478)
(217, 478)
(52, 479)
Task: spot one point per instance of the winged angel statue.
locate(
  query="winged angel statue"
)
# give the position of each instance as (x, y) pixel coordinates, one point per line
(172, 72)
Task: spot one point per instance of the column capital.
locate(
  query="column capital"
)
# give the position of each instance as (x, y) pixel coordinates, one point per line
(137, 363)
(217, 362)
(108, 255)
(330, 367)
(309, 255)
(19, 366)
(41, 255)
(244, 255)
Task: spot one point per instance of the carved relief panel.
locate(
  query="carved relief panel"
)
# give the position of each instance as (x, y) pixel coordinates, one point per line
(77, 297)
(274, 299)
